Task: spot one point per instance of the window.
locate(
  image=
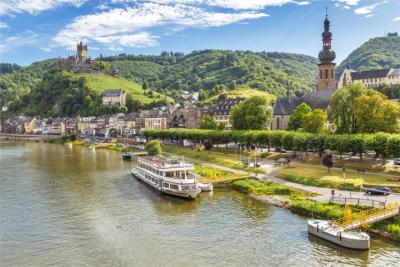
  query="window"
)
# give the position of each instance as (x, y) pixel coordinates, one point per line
(326, 73)
(278, 126)
(332, 73)
(165, 185)
(174, 187)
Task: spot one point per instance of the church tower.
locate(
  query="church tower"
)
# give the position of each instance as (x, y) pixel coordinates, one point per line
(326, 80)
(82, 53)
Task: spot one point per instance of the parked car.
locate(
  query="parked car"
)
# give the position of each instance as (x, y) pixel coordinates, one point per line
(379, 190)
(396, 161)
(280, 150)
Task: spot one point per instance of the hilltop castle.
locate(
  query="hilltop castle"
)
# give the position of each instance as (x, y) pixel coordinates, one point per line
(81, 62)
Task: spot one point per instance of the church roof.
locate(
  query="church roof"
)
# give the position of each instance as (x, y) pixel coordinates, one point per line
(112, 92)
(285, 105)
(368, 74)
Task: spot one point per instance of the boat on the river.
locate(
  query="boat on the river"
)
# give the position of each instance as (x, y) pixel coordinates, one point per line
(131, 155)
(348, 239)
(169, 176)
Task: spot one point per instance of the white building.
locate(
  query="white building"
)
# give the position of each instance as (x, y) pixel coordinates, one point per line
(114, 97)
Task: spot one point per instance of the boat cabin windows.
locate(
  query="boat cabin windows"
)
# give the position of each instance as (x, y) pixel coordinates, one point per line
(173, 186)
(165, 185)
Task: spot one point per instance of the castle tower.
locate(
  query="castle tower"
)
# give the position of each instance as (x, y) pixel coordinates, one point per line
(326, 80)
(82, 52)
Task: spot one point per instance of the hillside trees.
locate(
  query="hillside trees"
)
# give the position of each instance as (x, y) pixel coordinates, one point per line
(254, 113)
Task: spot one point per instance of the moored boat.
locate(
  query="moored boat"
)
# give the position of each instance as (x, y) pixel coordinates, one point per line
(169, 176)
(348, 239)
(206, 187)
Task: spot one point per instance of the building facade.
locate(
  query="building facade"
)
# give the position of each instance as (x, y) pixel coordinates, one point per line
(114, 97)
(370, 78)
(221, 110)
(186, 118)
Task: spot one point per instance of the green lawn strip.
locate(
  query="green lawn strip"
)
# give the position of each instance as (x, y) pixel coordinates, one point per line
(333, 177)
(294, 198)
(391, 226)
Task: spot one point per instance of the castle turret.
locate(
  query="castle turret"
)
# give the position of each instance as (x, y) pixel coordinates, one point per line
(326, 57)
(82, 52)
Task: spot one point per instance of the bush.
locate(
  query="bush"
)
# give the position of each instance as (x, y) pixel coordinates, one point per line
(153, 148)
(394, 229)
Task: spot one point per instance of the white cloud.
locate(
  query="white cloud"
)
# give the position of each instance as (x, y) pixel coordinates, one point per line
(130, 27)
(396, 19)
(232, 4)
(3, 25)
(368, 9)
(25, 38)
(348, 2)
(34, 6)
(302, 3)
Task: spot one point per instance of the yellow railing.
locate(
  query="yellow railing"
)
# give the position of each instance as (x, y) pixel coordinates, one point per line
(362, 217)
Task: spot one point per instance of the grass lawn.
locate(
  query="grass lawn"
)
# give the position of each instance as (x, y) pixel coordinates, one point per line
(365, 165)
(335, 176)
(294, 198)
(213, 175)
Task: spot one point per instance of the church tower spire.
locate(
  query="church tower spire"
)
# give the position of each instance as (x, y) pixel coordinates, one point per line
(326, 57)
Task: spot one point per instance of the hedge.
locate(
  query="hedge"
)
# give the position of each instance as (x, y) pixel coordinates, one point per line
(383, 144)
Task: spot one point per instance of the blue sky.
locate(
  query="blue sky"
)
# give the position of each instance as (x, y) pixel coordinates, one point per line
(33, 30)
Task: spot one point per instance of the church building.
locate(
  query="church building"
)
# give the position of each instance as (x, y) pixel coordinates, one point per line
(326, 86)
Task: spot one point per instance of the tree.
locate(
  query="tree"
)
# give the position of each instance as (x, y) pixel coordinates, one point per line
(341, 107)
(374, 113)
(221, 126)
(208, 122)
(102, 65)
(153, 148)
(254, 113)
(327, 160)
(297, 115)
(314, 121)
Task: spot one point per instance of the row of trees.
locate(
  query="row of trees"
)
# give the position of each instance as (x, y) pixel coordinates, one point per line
(383, 144)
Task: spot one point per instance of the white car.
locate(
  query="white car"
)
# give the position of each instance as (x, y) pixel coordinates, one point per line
(396, 161)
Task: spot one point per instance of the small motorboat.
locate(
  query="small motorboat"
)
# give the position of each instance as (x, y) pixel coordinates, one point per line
(205, 187)
(127, 156)
(348, 239)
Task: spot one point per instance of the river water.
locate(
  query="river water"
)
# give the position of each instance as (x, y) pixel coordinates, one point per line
(71, 206)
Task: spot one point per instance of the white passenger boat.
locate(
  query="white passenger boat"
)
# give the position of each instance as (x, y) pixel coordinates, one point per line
(170, 176)
(348, 239)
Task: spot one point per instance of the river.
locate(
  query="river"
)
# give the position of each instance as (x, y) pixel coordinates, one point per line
(71, 206)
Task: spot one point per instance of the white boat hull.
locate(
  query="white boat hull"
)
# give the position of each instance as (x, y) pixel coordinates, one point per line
(353, 240)
(190, 194)
(206, 187)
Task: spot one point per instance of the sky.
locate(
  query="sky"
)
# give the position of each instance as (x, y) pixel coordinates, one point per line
(33, 30)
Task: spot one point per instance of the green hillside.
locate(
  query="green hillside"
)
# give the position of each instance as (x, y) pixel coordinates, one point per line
(380, 52)
(100, 82)
(203, 70)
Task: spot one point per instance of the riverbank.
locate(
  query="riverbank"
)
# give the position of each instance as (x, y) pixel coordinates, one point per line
(298, 202)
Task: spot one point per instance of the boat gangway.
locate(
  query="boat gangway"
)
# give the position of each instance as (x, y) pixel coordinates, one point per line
(362, 218)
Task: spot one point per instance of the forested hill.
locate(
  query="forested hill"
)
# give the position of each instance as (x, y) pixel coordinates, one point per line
(379, 52)
(174, 72)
